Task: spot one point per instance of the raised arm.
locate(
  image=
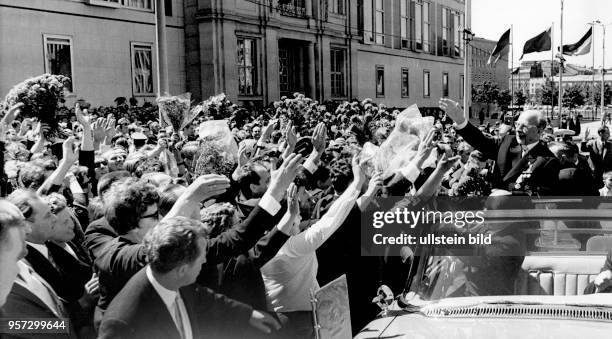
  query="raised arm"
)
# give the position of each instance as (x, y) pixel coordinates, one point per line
(309, 240)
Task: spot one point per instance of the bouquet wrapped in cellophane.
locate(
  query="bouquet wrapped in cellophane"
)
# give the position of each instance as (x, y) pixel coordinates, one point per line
(174, 110)
(40, 97)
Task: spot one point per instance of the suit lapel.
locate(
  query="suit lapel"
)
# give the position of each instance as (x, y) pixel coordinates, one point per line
(604, 146)
(26, 294)
(160, 314)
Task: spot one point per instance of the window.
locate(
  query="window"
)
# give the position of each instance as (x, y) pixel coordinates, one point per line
(380, 81)
(458, 29)
(405, 22)
(426, 84)
(338, 71)
(142, 69)
(445, 84)
(379, 22)
(58, 56)
(247, 67)
(336, 6)
(168, 7)
(421, 25)
(144, 4)
(405, 83)
(296, 8)
(447, 31)
(461, 86)
(426, 27)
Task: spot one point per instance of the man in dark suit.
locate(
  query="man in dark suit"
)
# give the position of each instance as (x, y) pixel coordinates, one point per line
(162, 301)
(600, 151)
(575, 177)
(524, 164)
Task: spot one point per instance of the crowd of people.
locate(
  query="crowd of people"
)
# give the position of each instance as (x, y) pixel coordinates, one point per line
(132, 229)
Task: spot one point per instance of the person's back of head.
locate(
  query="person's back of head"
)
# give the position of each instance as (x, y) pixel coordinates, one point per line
(32, 176)
(130, 200)
(107, 180)
(219, 217)
(179, 244)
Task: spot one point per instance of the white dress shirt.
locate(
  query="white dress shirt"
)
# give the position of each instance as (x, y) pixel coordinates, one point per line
(40, 248)
(169, 298)
(291, 274)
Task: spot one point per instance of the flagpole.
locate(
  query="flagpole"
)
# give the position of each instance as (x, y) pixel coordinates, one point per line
(560, 66)
(512, 65)
(594, 108)
(467, 77)
(552, 68)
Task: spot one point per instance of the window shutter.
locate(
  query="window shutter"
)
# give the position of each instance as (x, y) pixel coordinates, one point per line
(411, 34)
(367, 22)
(438, 29)
(451, 36)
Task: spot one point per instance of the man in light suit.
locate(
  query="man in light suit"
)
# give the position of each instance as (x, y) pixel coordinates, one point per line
(13, 232)
(600, 151)
(162, 301)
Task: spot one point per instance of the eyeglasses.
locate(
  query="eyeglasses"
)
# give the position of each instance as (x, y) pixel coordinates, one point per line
(154, 215)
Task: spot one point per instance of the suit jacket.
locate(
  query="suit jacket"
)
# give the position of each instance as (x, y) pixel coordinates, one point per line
(97, 235)
(545, 166)
(21, 303)
(600, 158)
(577, 181)
(139, 312)
(120, 259)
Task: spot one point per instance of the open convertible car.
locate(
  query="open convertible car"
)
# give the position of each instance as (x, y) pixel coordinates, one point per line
(534, 281)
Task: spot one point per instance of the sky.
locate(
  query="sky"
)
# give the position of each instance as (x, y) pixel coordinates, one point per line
(491, 18)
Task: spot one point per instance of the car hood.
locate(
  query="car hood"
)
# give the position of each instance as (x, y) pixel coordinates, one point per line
(500, 317)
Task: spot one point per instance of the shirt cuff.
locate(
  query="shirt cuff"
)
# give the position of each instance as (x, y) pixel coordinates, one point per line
(410, 172)
(462, 125)
(269, 204)
(310, 166)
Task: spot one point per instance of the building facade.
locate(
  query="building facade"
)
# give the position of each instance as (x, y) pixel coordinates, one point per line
(256, 51)
(495, 73)
(107, 48)
(395, 52)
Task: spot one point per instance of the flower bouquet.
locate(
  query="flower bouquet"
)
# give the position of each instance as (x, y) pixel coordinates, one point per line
(173, 110)
(40, 97)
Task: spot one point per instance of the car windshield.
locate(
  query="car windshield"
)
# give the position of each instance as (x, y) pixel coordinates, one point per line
(531, 253)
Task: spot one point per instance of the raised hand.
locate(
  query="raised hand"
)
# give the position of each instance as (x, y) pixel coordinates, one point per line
(99, 130)
(69, 154)
(425, 148)
(447, 163)
(267, 131)
(281, 178)
(376, 183)
(206, 187)
(110, 130)
(293, 204)
(80, 117)
(453, 110)
(319, 138)
(8, 118)
(263, 322)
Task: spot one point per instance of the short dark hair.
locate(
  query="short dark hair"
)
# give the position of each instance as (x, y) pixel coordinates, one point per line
(341, 175)
(149, 166)
(168, 197)
(130, 200)
(173, 242)
(107, 180)
(245, 176)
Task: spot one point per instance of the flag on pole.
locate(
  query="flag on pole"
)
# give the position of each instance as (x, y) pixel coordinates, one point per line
(582, 47)
(539, 43)
(503, 42)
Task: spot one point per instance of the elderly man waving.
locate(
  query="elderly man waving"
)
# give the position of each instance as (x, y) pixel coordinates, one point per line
(524, 164)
